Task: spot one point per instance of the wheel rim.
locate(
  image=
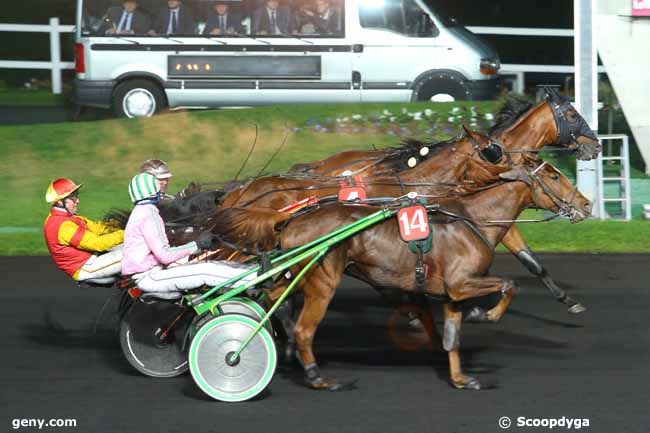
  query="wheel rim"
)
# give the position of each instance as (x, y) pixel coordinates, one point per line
(442, 97)
(247, 307)
(220, 337)
(141, 344)
(139, 103)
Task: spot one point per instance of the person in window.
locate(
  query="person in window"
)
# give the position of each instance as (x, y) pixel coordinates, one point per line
(75, 242)
(271, 19)
(324, 20)
(222, 22)
(125, 20)
(175, 19)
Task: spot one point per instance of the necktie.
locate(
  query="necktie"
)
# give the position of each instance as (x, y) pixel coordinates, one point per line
(274, 25)
(128, 21)
(222, 22)
(173, 24)
(120, 26)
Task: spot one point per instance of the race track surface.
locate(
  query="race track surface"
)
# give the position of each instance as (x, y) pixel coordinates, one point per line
(540, 361)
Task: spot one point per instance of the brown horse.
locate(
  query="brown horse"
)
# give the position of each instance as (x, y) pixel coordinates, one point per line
(465, 163)
(462, 252)
(554, 121)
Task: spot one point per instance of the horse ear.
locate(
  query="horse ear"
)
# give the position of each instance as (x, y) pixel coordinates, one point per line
(517, 173)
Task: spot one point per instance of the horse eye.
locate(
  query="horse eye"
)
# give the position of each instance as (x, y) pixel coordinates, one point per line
(555, 177)
(572, 116)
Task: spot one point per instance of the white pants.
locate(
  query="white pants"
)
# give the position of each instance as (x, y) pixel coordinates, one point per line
(191, 276)
(101, 267)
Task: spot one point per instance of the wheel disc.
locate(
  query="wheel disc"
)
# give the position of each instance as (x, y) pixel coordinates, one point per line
(139, 103)
(237, 381)
(142, 345)
(247, 307)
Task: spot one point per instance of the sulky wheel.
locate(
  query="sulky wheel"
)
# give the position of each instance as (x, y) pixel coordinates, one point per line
(247, 307)
(152, 337)
(212, 366)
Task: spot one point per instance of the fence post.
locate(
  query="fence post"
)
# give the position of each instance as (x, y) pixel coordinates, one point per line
(55, 56)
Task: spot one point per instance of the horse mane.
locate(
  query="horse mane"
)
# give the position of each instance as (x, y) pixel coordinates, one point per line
(397, 158)
(116, 218)
(186, 209)
(257, 230)
(512, 110)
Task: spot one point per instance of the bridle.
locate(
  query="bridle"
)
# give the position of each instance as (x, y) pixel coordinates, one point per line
(565, 206)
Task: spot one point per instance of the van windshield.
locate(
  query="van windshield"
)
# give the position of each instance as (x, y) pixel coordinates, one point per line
(213, 18)
(442, 11)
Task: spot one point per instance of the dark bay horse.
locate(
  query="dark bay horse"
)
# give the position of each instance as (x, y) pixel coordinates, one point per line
(462, 252)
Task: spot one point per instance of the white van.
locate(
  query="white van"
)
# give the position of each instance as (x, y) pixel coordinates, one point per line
(140, 56)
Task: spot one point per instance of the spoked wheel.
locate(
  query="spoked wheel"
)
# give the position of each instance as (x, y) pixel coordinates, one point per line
(152, 337)
(211, 358)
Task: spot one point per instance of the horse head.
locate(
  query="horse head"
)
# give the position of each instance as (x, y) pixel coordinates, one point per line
(551, 189)
(573, 131)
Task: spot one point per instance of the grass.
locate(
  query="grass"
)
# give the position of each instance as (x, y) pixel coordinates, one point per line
(30, 98)
(210, 146)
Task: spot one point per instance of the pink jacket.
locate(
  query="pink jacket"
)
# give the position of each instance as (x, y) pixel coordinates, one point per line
(146, 244)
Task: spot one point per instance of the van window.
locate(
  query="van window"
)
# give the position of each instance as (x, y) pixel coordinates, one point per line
(207, 18)
(401, 16)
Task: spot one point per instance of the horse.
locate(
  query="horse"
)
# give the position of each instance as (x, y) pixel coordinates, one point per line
(462, 251)
(553, 121)
(461, 164)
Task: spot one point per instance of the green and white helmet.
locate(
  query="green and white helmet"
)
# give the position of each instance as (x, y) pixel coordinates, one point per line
(143, 186)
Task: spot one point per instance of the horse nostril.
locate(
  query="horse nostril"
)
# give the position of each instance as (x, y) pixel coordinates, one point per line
(587, 207)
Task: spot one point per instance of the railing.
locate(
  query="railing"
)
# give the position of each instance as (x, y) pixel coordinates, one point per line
(619, 184)
(54, 64)
(518, 70)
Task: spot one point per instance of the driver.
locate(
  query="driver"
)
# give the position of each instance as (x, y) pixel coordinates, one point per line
(75, 241)
(148, 255)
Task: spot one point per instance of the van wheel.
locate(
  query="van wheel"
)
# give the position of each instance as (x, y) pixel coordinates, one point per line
(440, 87)
(137, 98)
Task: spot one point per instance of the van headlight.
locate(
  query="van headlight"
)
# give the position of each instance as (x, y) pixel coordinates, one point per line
(490, 66)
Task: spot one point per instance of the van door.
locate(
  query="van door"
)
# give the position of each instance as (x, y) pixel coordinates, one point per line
(399, 41)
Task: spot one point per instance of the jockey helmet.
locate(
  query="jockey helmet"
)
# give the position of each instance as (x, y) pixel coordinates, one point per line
(156, 167)
(60, 189)
(143, 186)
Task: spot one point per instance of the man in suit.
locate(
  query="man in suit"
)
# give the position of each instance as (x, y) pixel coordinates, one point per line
(125, 20)
(324, 20)
(222, 22)
(175, 19)
(271, 19)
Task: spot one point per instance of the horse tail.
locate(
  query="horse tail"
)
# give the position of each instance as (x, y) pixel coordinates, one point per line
(257, 229)
(117, 218)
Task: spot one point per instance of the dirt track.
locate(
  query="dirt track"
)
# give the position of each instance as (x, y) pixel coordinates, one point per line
(541, 362)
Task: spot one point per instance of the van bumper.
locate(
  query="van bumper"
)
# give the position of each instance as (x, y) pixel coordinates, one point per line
(93, 93)
(481, 90)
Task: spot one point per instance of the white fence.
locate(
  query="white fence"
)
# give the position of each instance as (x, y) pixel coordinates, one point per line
(54, 64)
(518, 70)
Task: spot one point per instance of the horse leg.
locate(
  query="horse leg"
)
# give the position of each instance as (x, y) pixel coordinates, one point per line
(451, 343)
(515, 243)
(318, 289)
(476, 287)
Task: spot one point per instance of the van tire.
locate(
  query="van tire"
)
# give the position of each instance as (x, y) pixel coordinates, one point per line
(138, 98)
(442, 86)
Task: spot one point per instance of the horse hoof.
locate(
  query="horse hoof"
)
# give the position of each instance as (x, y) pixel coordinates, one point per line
(321, 384)
(472, 384)
(577, 308)
(476, 315)
(416, 324)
